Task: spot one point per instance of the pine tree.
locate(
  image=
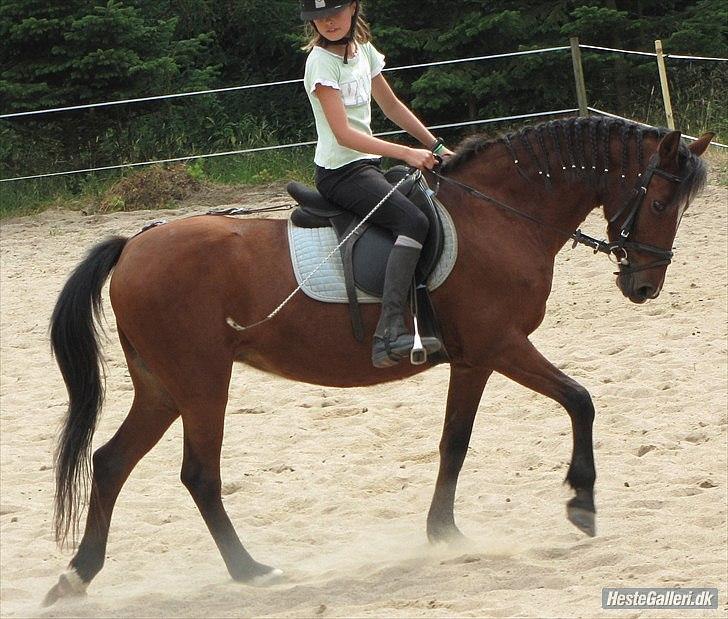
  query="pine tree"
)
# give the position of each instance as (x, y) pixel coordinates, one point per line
(76, 52)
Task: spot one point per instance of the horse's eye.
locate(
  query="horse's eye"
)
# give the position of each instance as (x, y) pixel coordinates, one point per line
(658, 206)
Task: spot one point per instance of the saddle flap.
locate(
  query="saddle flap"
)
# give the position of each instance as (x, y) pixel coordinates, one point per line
(371, 251)
(397, 173)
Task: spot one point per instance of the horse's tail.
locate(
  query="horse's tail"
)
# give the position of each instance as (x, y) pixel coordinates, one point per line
(75, 345)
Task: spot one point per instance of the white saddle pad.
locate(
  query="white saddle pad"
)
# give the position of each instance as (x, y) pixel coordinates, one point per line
(309, 246)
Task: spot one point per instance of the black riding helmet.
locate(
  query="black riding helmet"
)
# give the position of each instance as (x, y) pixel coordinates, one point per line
(320, 9)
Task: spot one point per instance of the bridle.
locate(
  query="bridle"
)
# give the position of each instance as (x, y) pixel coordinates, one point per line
(632, 208)
(619, 248)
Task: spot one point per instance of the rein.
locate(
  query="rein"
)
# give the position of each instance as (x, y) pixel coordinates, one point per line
(617, 249)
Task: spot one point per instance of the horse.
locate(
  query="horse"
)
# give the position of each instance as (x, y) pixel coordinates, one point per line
(175, 287)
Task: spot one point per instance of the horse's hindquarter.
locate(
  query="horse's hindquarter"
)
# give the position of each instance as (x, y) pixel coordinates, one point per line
(175, 286)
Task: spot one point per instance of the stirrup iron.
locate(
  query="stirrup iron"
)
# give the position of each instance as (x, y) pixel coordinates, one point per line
(418, 354)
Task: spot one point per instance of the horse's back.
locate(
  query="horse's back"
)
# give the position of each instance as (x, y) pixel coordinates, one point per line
(198, 250)
(192, 235)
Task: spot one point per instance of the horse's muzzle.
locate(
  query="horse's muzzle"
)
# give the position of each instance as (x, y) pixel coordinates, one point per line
(638, 291)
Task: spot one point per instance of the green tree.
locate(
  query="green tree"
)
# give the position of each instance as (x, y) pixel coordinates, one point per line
(61, 54)
(702, 30)
(78, 51)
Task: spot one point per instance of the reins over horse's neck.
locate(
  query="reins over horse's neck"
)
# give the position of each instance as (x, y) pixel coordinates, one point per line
(577, 236)
(547, 217)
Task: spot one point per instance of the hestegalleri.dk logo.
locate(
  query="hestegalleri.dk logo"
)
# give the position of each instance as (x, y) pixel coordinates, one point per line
(660, 597)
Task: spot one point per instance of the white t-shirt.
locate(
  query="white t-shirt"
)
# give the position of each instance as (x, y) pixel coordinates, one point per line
(354, 81)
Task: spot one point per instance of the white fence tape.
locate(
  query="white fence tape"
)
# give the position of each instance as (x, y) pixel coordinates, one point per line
(688, 137)
(278, 147)
(653, 54)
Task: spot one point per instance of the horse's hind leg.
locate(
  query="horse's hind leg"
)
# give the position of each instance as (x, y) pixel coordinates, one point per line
(524, 364)
(152, 412)
(464, 393)
(203, 433)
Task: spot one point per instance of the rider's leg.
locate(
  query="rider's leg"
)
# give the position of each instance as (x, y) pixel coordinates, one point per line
(359, 187)
(392, 338)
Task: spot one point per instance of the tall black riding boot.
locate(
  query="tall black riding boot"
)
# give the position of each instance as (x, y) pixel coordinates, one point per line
(392, 339)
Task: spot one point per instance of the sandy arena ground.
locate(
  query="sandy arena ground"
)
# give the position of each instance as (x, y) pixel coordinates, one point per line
(333, 485)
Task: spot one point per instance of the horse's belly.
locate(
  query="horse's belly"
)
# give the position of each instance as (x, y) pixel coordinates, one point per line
(313, 342)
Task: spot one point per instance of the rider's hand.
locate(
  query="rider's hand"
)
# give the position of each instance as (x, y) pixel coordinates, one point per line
(444, 155)
(420, 158)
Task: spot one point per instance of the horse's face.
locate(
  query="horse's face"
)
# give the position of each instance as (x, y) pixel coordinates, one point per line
(645, 228)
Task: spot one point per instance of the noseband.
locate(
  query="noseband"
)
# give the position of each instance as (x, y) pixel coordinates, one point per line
(617, 249)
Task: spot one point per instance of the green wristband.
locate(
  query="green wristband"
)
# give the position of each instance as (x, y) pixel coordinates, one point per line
(438, 147)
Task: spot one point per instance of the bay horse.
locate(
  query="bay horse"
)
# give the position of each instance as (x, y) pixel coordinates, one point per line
(514, 201)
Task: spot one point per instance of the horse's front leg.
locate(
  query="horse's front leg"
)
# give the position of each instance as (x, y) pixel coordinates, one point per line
(524, 364)
(466, 388)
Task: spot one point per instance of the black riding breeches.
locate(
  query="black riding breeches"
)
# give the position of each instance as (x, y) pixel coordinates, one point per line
(360, 186)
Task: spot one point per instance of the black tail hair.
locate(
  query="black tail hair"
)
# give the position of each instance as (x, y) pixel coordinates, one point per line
(75, 345)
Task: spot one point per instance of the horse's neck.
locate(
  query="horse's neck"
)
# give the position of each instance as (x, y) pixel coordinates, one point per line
(561, 202)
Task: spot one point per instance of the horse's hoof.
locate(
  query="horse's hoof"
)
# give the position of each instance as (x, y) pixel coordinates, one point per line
(449, 535)
(258, 575)
(583, 519)
(269, 578)
(69, 585)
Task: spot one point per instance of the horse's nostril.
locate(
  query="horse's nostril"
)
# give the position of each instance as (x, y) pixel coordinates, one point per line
(646, 292)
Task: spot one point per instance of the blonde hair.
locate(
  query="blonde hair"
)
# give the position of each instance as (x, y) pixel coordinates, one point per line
(362, 32)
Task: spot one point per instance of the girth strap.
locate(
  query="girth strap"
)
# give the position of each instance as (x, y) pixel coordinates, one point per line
(347, 257)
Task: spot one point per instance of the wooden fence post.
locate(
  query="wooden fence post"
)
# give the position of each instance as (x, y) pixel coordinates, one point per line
(663, 84)
(579, 76)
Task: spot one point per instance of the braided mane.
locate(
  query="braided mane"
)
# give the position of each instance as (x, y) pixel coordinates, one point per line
(580, 148)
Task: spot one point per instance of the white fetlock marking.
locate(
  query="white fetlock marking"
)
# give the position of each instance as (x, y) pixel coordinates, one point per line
(75, 581)
(267, 578)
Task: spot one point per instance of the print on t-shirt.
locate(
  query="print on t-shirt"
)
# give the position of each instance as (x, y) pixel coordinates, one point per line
(356, 92)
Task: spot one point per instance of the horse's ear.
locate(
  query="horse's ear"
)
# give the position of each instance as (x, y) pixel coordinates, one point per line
(668, 149)
(698, 147)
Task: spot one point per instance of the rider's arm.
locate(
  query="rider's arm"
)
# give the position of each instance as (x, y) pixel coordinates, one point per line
(349, 137)
(398, 112)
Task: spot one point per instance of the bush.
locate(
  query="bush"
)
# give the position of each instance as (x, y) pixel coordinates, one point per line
(153, 187)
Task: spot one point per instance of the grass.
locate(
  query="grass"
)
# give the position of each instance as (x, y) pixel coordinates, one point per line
(153, 186)
(27, 197)
(717, 159)
(257, 168)
(162, 186)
